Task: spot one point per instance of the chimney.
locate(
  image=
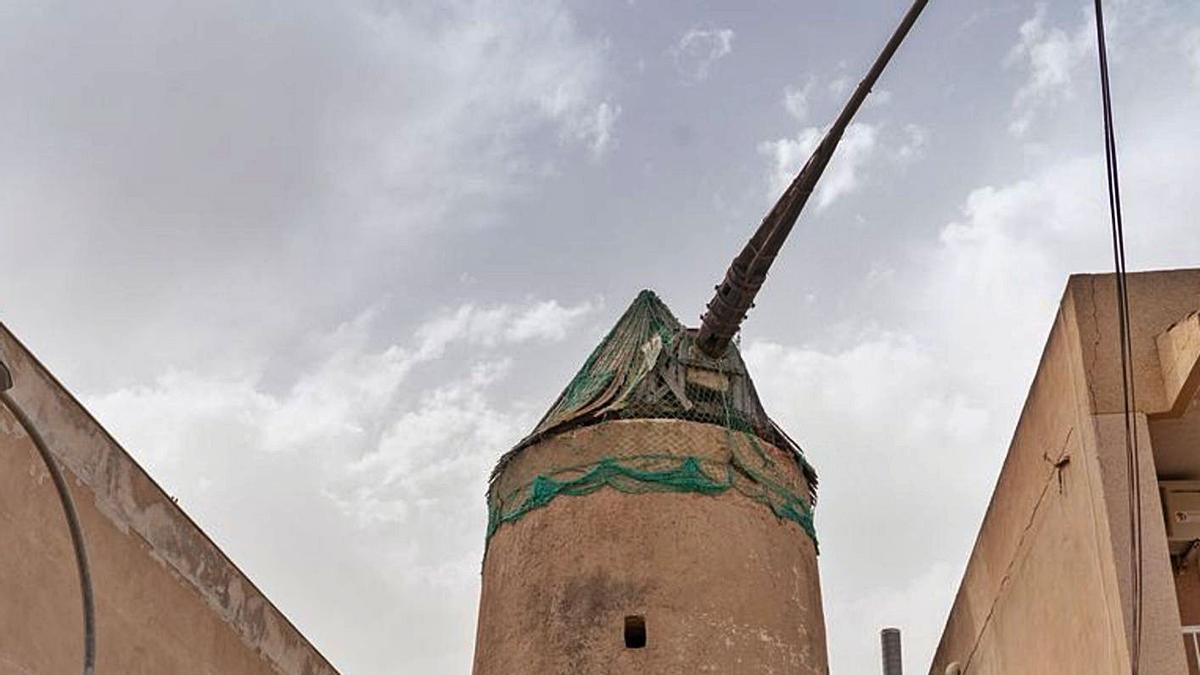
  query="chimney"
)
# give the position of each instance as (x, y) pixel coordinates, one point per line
(889, 638)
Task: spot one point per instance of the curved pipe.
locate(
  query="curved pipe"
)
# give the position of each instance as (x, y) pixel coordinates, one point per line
(68, 506)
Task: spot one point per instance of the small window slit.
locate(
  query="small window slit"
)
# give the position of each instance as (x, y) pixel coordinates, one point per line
(635, 631)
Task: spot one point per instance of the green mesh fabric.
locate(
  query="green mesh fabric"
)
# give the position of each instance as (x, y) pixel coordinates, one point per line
(640, 474)
(647, 368)
(616, 367)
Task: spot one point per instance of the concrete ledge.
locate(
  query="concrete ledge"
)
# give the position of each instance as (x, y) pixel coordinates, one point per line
(1179, 356)
(167, 598)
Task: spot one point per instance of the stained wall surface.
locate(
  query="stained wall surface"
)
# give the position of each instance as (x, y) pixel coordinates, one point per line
(1048, 585)
(167, 599)
(724, 585)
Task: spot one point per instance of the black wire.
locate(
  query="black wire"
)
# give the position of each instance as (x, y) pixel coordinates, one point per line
(1133, 466)
(68, 506)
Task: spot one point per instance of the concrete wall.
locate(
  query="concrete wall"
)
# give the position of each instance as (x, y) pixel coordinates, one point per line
(1048, 584)
(724, 585)
(167, 600)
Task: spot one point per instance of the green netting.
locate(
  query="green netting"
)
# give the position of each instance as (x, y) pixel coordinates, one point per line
(618, 364)
(639, 474)
(647, 368)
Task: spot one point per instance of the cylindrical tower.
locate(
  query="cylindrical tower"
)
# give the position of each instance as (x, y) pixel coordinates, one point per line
(655, 521)
(889, 642)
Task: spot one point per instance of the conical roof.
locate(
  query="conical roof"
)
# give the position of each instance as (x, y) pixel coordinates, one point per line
(648, 367)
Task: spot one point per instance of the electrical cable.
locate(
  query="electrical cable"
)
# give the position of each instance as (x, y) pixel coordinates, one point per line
(1129, 394)
(68, 506)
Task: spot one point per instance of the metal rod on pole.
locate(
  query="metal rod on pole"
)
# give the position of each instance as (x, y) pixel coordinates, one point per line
(72, 517)
(735, 295)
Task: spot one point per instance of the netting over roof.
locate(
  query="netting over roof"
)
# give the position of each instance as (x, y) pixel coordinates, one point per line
(648, 368)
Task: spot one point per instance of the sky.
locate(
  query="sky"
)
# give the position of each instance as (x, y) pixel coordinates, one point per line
(317, 265)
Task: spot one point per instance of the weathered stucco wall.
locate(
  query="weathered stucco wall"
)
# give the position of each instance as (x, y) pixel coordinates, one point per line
(167, 600)
(724, 585)
(1033, 596)
(1048, 584)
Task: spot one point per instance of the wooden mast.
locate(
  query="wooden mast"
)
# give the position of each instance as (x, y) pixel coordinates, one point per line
(735, 295)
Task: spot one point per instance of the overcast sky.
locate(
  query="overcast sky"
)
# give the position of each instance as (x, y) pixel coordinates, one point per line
(317, 265)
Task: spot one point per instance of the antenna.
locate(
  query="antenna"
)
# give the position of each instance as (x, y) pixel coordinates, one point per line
(735, 295)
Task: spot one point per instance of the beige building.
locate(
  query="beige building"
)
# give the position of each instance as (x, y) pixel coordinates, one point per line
(167, 599)
(1048, 585)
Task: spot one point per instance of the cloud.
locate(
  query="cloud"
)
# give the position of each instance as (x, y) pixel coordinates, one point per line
(595, 129)
(909, 607)
(1048, 54)
(844, 174)
(432, 455)
(1191, 50)
(859, 146)
(1058, 62)
(912, 147)
(907, 422)
(698, 49)
(878, 97)
(359, 450)
(1049, 57)
(341, 133)
(546, 321)
(840, 86)
(907, 413)
(499, 324)
(887, 423)
(796, 99)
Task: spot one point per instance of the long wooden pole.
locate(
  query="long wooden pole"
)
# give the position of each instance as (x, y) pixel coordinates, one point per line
(735, 295)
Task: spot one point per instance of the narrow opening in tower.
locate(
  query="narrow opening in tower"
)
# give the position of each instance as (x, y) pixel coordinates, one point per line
(635, 631)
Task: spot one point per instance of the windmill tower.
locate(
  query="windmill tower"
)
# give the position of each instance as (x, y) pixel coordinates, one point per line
(656, 520)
